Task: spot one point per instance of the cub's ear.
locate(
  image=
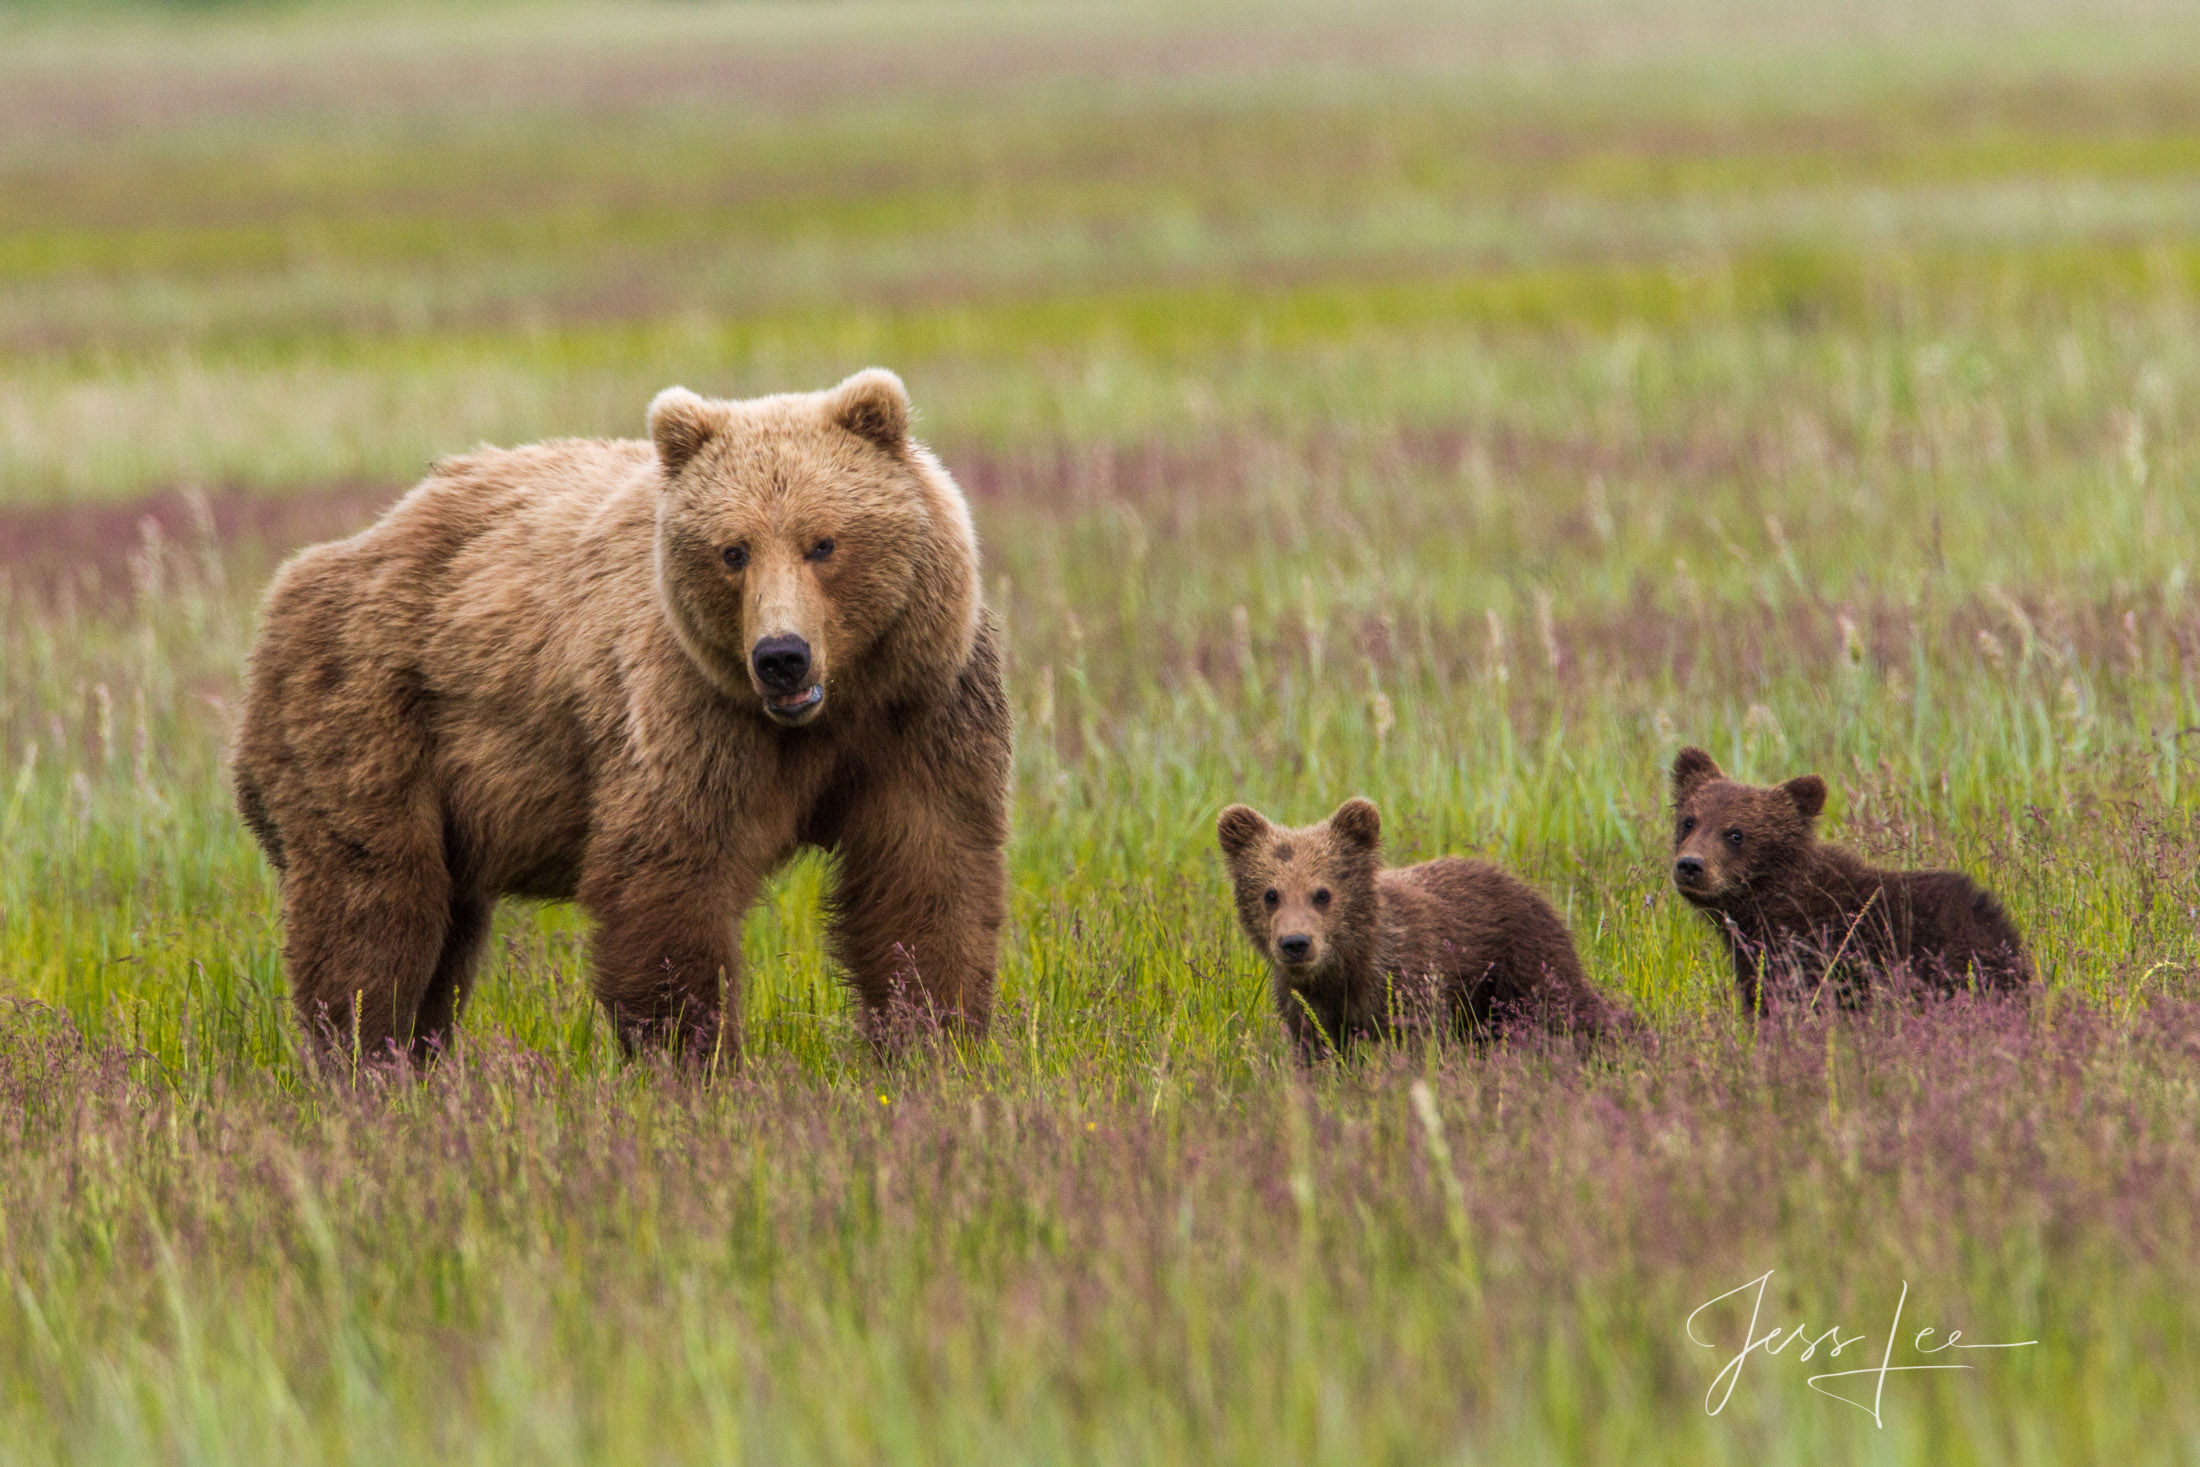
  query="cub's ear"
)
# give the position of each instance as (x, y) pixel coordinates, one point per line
(1808, 792)
(1238, 828)
(680, 423)
(1692, 768)
(874, 405)
(1359, 822)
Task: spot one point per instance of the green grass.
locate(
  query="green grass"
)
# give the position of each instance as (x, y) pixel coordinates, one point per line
(1464, 407)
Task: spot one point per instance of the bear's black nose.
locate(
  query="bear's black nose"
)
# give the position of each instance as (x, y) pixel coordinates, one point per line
(1295, 947)
(1688, 868)
(781, 662)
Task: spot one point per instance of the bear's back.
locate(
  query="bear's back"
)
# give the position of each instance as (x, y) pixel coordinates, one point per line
(495, 557)
(1453, 914)
(1955, 927)
(476, 641)
(1938, 924)
(512, 512)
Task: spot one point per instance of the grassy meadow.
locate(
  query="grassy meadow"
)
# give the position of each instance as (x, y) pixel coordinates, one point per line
(1461, 405)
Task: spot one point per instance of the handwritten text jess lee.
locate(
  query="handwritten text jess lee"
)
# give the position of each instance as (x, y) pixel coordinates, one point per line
(1775, 1341)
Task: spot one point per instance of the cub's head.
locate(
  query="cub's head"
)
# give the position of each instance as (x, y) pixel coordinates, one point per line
(809, 551)
(1305, 897)
(1727, 836)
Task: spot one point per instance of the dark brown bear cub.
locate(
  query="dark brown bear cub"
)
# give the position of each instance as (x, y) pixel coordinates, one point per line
(1359, 951)
(1795, 913)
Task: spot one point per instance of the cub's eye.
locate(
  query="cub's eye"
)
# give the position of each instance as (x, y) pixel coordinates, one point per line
(1734, 836)
(1321, 896)
(822, 550)
(1270, 897)
(1688, 825)
(736, 556)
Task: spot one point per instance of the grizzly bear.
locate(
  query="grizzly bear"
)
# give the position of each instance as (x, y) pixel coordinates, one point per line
(1359, 950)
(639, 674)
(1796, 914)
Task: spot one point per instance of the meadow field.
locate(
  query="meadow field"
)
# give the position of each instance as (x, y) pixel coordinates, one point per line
(1464, 405)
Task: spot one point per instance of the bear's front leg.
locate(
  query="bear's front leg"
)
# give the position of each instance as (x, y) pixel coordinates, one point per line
(1750, 960)
(667, 952)
(920, 883)
(918, 898)
(1314, 1035)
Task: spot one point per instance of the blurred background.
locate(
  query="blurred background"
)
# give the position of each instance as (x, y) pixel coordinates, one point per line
(278, 246)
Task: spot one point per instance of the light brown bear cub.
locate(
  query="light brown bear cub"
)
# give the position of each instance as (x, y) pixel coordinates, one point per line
(1795, 913)
(1362, 951)
(641, 674)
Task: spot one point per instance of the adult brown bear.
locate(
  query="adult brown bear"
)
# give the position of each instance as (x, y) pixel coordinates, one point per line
(642, 675)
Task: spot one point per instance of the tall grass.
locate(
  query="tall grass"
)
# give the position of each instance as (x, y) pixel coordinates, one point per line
(1463, 408)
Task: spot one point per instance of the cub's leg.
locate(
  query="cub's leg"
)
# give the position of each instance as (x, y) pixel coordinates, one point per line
(435, 1023)
(1314, 1025)
(1749, 968)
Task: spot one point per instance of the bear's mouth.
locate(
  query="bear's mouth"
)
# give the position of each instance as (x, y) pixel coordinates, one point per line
(1697, 890)
(796, 708)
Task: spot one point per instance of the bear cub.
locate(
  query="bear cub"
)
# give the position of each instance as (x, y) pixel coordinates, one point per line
(1794, 912)
(1363, 951)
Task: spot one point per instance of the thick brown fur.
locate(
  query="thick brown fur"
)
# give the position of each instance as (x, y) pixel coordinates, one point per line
(1453, 943)
(1795, 913)
(533, 677)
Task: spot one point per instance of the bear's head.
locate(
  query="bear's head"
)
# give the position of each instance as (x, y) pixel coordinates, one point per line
(1305, 896)
(1730, 838)
(809, 551)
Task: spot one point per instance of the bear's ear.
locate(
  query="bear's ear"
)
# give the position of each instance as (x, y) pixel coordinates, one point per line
(1808, 792)
(1238, 828)
(1359, 822)
(680, 423)
(873, 405)
(1692, 768)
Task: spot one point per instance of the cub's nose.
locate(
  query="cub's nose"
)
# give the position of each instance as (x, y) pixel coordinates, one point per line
(1295, 948)
(1688, 869)
(781, 663)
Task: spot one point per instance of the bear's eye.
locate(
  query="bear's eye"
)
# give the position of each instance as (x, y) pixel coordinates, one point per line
(1688, 825)
(1321, 896)
(736, 557)
(822, 550)
(1734, 836)
(1270, 897)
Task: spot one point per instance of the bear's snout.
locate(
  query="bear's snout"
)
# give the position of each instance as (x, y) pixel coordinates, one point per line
(1295, 947)
(787, 675)
(1688, 870)
(782, 663)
